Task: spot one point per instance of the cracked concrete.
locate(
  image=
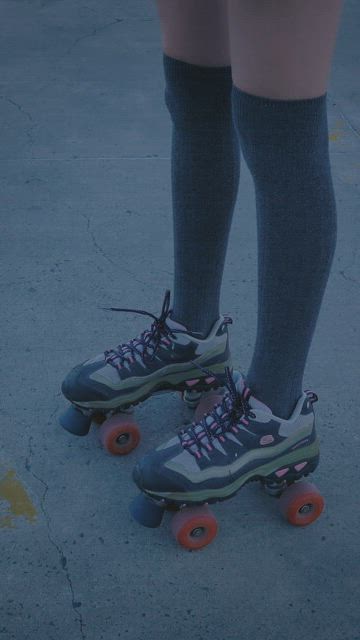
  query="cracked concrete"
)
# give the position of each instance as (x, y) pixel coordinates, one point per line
(19, 107)
(93, 33)
(62, 558)
(104, 254)
(87, 228)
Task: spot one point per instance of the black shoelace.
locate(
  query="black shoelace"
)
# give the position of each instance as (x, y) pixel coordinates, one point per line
(148, 339)
(234, 407)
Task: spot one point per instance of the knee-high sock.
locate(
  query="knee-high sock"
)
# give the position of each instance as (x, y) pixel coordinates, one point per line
(285, 145)
(205, 168)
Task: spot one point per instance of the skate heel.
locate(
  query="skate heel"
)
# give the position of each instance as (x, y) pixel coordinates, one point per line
(300, 502)
(276, 482)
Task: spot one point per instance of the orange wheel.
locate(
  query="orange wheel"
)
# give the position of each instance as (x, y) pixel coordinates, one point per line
(301, 503)
(119, 434)
(206, 404)
(194, 527)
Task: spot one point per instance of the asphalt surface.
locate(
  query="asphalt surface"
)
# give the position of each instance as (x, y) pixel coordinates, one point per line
(86, 223)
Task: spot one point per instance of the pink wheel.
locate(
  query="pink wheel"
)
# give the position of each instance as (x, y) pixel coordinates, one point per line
(301, 503)
(119, 434)
(194, 527)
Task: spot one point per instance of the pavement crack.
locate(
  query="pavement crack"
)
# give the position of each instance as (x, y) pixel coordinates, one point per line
(350, 125)
(93, 33)
(62, 558)
(18, 106)
(28, 115)
(348, 121)
(103, 253)
(97, 247)
(343, 273)
(53, 413)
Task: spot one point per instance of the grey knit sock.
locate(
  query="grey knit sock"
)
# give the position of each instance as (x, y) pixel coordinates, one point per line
(285, 145)
(205, 163)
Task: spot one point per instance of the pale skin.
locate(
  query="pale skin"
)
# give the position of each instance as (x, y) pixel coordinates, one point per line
(280, 49)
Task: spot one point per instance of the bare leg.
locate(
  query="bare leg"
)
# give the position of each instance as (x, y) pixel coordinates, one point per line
(282, 49)
(195, 32)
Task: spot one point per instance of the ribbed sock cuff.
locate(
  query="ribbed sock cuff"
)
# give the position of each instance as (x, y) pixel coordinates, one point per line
(271, 119)
(179, 68)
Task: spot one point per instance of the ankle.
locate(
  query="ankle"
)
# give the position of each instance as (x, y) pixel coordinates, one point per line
(280, 401)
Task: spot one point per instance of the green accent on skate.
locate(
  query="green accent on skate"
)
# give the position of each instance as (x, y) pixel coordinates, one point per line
(217, 352)
(153, 382)
(259, 453)
(307, 453)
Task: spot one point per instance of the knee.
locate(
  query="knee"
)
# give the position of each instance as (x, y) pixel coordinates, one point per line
(286, 133)
(196, 96)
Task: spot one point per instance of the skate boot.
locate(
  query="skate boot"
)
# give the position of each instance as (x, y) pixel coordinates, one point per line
(164, 358)
(236, 441)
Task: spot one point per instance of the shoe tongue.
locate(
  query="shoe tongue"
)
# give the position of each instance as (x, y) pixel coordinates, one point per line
(171, 323)
(240, 384)
(175, 325)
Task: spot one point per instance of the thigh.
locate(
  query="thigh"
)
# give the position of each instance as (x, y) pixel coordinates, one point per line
(195, 31)
(282, 49)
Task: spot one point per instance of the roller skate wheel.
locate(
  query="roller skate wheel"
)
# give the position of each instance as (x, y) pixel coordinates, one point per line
(119, 434)
(301, 503)
(194, 527)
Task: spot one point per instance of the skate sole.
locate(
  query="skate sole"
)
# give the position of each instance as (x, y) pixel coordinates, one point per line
(266, 471)
(194, 526)
(161, 387)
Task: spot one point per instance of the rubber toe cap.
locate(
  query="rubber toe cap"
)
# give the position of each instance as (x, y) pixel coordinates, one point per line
(150, 475)
(77, 386)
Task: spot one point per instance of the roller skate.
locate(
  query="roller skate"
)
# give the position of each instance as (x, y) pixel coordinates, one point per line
(234, 439)
(162, 359)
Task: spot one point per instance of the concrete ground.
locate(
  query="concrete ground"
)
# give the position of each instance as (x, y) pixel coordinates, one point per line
(86, 222)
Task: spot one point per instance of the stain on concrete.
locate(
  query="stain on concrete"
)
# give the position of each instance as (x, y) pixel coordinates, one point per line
(334, 137)
(18, 501)
(338, 131)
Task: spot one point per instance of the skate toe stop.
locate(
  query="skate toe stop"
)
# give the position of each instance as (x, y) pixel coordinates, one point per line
(75, 422)
(146, 512)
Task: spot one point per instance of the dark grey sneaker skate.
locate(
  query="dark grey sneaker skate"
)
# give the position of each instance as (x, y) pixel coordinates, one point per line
(164, 358)
(234, 442)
